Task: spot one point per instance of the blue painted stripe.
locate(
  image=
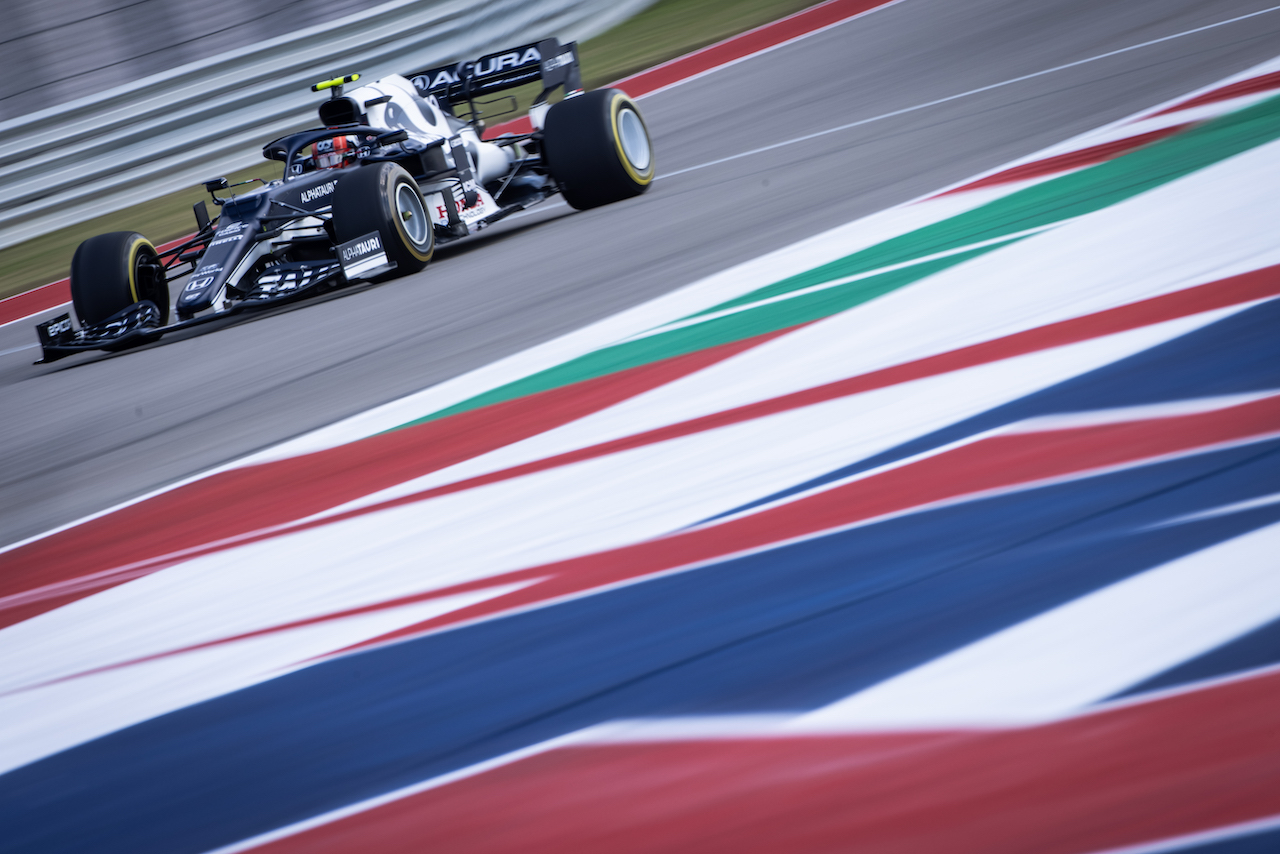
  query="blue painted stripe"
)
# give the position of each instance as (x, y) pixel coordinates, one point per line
(1253, 843)
(793, 628)
(1263, 841)
(1236, 355)
(1259, 648)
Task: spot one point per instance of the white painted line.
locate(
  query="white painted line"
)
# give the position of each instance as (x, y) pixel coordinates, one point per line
(1195, 840)
(1140, 412)
(977, 91)
(847, 280)
(399, 794)
(1224, 510)
(28, 317)
(44, 719)
(18, 349)
(1149, 119)
(1081, 652)
(676, 729)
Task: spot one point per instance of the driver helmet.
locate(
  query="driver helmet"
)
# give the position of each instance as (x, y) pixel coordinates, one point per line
(334, 153)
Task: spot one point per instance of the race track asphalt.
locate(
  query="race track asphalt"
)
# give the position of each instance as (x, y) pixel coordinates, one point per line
(83, 434)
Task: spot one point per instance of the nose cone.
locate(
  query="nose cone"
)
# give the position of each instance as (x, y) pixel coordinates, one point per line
(197, 295)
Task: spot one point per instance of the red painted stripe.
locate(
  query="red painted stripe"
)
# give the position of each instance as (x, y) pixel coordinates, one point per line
(1257, 284)
(730, 50)
(46, 297)
(1172, 766)
(739, 47)
(245, 500)
(1071, 160)
(994, 465)
(34, 302)
(990, 466)
(1236, 90)
(998, 463)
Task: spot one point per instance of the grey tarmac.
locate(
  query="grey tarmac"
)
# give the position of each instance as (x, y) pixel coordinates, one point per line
(81, 435)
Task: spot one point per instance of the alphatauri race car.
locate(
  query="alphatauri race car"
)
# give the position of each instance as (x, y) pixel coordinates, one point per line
(398, 168)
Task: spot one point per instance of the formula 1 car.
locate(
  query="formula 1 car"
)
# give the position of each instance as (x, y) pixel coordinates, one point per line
(399, 168)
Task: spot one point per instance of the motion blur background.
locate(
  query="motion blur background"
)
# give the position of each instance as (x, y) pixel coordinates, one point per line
(54, 51)
(113, 113)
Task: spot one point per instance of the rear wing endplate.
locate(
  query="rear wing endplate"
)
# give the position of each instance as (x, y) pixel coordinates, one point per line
(555, 64)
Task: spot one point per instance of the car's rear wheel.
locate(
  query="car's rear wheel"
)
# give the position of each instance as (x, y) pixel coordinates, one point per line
(383, 197)
(110, 272)
(597, 148)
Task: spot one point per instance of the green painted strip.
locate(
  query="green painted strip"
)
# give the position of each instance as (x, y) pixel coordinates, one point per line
(722, 330)
(715, 313)
(1053, 201)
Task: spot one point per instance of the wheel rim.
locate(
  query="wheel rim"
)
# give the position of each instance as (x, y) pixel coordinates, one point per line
(148, 281)
(411, 215)
(635, 141)
(144, 273)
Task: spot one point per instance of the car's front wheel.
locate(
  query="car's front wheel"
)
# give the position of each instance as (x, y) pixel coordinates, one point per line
(383, 197)
(597, 148)
(110, 272)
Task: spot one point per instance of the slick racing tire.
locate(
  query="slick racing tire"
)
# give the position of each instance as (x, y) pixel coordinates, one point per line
(111, 272)
(597, 148)
(383, 197)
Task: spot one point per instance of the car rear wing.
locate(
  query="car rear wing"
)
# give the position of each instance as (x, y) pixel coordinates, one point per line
(548, 60)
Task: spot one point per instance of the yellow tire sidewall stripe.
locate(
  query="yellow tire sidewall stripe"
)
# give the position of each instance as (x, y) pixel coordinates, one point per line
(404, 232)
(136, 247)
(615, 109)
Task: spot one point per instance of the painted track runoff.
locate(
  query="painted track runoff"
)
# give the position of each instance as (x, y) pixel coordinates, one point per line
(982, 482)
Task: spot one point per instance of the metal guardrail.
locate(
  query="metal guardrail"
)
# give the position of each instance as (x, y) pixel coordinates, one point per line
(102, 153)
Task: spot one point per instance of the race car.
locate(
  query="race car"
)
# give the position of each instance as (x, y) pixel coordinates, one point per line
(398, 168)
